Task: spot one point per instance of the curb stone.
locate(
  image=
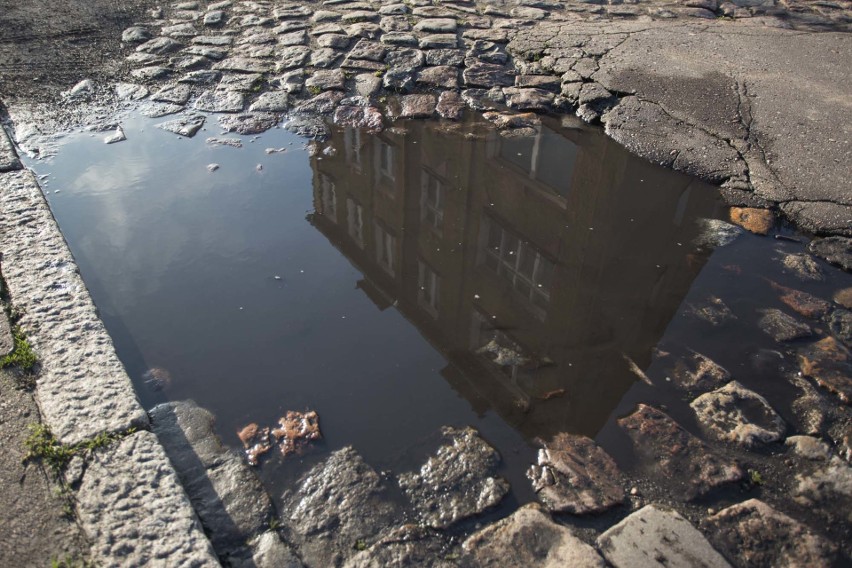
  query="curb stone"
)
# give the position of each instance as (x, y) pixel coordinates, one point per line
(130, 493)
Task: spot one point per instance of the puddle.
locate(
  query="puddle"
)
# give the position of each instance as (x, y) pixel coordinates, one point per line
(435, 274)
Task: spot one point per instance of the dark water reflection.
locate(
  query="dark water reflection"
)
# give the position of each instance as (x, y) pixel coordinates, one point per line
(536, 266)
(433, 274)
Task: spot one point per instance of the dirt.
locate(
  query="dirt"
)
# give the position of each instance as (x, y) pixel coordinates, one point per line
(34, 527)
(47, 46)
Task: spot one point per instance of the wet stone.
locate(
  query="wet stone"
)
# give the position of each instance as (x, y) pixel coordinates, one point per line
(840, 324)
(150, 73)
(482, 99)
(545, 82)
(494, 35)
(407, 59)
(135, 34)
(180, 31)
(324, 57)
(830, 365)
(290, 57)
(391, 24)
(656, 537)
(445, 77)
(175, 94)
(574, 475)
(436, 25)
(190, 62)
(338, 503)
(682, 459)
(201, 77)
(736, 414)
(248, 123)
(367, 84)
(521, 123)
(487, 75)
(452, 57)
(327, 80)
(366, 30)
(399, 38)
(439, 41)
(290, 26)
(244, 82)
(409, 545)
(214, 18)
(803, 266)
(417, 106)
(398, 80)
(367, 49)
(808, 447)
(156, 110)
(843, 297)
(220, 101)
(130, 91)
(698, 372)
(228, 497)
(450, 105)
(754, 534)
(458, 481)
(293, 38)
(186, 126)
(323, 103)
(528, 98)
(359, 117)
(714, 311)
(716, 233)
(336, 41)
(488, 52)
(213, 53)
(528, 13)
(528, 537)
(394, 10)
(268, 551)
(160, 46)
(828, 489)
(783, 327)
(801, 302)
(836, 250)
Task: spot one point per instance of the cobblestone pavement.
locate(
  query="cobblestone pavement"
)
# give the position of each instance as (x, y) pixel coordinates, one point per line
(751, 94)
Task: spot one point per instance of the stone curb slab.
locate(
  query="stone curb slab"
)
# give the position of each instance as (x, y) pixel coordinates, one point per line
(135, 511)
(83, 390)
(8, 158)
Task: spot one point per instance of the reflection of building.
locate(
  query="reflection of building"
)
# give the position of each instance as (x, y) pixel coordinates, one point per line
(535, 265)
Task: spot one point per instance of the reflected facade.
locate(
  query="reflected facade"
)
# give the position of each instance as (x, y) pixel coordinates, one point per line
(537, 265)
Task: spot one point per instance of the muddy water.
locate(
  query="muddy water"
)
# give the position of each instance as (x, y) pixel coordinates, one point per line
(432, 274)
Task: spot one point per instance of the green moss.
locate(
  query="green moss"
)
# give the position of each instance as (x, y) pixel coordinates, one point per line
(314, 90)
(22, 356)
(43, 446)
(755, 477)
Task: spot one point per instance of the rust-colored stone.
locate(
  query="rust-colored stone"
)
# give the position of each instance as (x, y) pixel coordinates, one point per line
(758, 221)
(686, 462)
(830, 365)
(801, 302)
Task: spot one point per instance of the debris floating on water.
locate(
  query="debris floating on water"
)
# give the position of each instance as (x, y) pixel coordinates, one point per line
(275, 150)
(294, 431)
(212, 167)
(117, 136)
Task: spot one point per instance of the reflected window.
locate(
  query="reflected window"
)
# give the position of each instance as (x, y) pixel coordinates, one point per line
(352, 146)
(328, 197)
(518, 262)
(428, 283)
(385, 247)
(432, 201)
(547, 158)
(355, 221)
(386, 159)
